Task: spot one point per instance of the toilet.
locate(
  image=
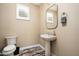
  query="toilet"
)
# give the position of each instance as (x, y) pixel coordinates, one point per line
(10, 48)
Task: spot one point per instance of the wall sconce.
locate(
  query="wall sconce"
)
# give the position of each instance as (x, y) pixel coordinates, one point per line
(64, 19)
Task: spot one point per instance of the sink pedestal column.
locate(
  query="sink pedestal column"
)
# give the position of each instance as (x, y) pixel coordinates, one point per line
(48, 43)
(47, 48)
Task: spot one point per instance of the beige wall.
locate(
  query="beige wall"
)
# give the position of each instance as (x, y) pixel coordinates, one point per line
(67, 42)
(27, 32)
(68, 36)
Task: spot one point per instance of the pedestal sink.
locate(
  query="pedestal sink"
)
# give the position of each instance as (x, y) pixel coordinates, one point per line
(48, 38)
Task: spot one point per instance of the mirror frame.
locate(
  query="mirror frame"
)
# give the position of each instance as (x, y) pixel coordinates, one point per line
(51, 5)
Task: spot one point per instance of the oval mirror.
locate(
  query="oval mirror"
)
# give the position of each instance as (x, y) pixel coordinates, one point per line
(52, 16)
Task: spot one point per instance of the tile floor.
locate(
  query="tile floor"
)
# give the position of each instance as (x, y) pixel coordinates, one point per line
(35, 51)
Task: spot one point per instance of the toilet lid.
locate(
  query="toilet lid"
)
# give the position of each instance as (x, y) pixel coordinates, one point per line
(9, 47)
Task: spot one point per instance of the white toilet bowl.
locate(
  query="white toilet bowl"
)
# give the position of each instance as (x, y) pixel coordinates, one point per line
(11, 46)
(9, 50)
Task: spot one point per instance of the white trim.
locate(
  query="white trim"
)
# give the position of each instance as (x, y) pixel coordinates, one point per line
(22, 48)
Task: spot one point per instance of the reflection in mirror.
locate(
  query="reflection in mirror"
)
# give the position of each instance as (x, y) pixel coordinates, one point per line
(51, 16)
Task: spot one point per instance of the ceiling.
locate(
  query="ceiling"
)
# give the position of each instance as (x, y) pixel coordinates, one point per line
(37, 4)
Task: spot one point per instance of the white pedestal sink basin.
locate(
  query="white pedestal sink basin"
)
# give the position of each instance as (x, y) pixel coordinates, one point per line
(47, 38)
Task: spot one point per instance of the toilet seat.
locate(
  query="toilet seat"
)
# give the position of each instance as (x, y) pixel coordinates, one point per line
(9, 47)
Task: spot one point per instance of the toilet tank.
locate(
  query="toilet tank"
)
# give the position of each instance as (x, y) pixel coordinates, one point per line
(11, 40)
